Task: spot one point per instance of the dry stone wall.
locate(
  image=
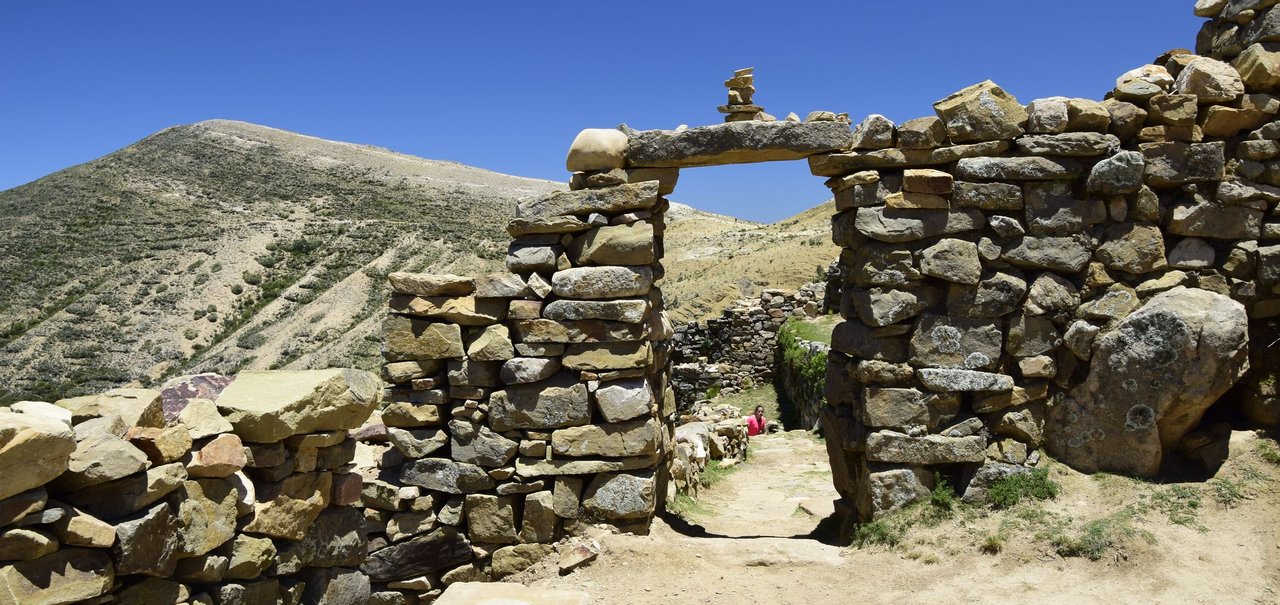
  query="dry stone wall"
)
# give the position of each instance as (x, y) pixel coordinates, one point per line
(737, 350)
(1087, 277)
(217, 492)
(1071, 274)
(534, 402)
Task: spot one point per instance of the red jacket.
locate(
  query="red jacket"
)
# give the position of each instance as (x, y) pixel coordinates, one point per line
(755, 426)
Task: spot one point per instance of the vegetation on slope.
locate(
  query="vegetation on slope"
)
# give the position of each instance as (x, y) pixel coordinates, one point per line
(221, 246)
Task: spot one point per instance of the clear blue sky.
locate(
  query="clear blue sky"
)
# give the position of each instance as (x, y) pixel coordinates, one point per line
(506, 85)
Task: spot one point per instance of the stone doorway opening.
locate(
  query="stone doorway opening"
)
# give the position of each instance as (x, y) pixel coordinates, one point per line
(744, 341)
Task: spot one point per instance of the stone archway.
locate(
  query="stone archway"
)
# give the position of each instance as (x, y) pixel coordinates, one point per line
(1071, 275)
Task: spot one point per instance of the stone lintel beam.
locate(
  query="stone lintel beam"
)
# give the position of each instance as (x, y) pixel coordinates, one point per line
(736, 143)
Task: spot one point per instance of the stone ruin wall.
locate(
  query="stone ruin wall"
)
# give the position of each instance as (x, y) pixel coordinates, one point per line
(1087, 277)
(538, 400)
(134, 498)
(1081, 276)
(738, 350)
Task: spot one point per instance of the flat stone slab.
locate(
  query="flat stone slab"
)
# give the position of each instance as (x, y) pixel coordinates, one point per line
(481, 593)
(736, 143)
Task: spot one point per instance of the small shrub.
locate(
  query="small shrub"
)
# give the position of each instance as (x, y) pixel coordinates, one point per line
(201, 279)
(943, 496)
(941, 504)
(251, 341)
(1035, 485)
(992, 544)
(252, 278)
(1226, 492)
(881, 532)
(237, 289)
(216, 267)
(1268, 451)
(190, 334)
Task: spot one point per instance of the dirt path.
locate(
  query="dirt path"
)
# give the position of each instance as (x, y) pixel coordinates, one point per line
(748, 544)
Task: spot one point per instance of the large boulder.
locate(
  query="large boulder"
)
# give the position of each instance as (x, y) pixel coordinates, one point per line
(1210, 80)
(441, 549)
(620, 497)
(68, 576)
(597, 149)
(1150, 381)
(136, 407)
(982, 112)
(612, 200)
(34, 450)
(265, 407)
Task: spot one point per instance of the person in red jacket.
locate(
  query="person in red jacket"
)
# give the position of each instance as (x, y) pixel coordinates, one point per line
(756, 422)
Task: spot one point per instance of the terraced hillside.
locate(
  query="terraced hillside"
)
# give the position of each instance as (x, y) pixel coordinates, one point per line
(223, 245)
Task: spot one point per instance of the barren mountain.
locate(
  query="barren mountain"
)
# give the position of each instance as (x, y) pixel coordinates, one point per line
(223, 245)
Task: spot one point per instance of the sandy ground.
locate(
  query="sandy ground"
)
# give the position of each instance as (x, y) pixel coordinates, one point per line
(749, 542)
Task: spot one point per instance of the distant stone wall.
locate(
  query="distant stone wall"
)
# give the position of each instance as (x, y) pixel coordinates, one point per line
(210, 494)
(736, 351)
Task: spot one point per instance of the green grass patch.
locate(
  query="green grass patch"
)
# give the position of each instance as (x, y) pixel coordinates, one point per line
(1035, 485)
(1096, 537)
(1180, 503)
(1268, 451)
(747, 400)
(802, 374)
(687, 506)
(818, 329)
(887, 531)
(1227, 492)
(715, 472)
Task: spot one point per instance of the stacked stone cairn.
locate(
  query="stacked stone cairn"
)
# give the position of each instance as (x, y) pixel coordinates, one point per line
(1072, 274)
(740, 107)
(246, 498)
(737, 350)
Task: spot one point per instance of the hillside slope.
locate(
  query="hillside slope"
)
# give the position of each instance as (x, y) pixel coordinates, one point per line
(714, 260)
(222, 245)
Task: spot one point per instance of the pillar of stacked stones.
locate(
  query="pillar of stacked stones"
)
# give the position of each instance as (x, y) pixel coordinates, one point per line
(534, 401)
(1076, 275)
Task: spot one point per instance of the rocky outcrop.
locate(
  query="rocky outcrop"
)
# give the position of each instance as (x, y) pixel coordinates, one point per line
(107, 498)
(1150, 380)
